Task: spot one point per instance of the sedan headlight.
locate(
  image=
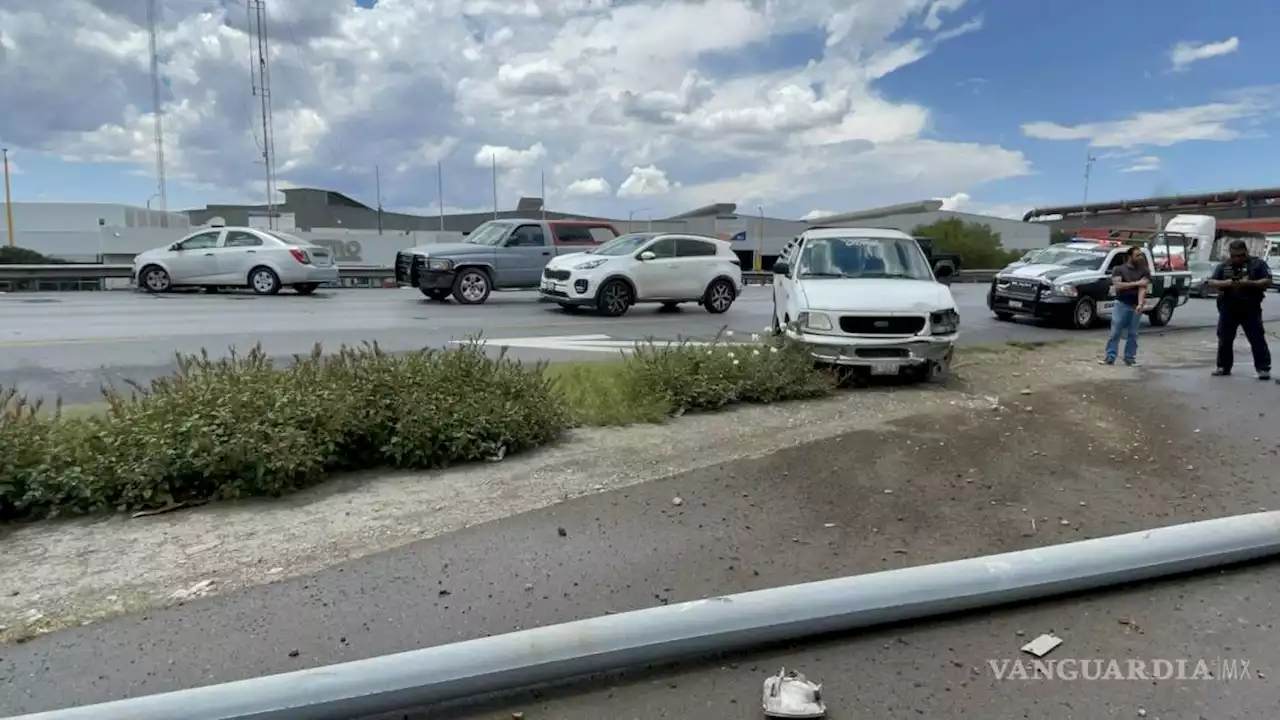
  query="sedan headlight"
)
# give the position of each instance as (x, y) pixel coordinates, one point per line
(439, 264)
(590, 264)
(1066, 290)
(944, 322)
(814, 321)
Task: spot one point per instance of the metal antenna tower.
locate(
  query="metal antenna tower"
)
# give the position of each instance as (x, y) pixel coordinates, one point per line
(157, 109)
(259, 56)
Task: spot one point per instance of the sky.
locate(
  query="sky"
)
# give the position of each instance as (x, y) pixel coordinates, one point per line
(794, 107)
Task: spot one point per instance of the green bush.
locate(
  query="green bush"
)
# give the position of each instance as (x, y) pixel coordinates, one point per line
(243, 427)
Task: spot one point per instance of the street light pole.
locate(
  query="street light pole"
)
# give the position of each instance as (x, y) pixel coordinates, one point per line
(8, 200)
(631, 216)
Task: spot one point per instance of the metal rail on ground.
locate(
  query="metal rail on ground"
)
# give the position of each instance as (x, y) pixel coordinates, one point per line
(10, 274)
(692, 629)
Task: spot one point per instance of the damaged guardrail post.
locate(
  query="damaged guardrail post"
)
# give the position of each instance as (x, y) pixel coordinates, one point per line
(702, 627)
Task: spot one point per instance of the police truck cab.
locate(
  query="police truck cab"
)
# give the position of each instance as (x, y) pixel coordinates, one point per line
(1070, 282)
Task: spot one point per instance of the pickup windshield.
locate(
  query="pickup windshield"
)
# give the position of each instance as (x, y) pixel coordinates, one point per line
(624, 244)
(1068, 257)
(863, 257)
(490, 233)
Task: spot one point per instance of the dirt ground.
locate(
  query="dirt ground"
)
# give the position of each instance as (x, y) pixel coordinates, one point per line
(1031, 415)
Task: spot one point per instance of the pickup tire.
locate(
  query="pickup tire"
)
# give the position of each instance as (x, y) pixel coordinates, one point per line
(435, 293)
(1163, 311)
(1085, 314)
(472, 286)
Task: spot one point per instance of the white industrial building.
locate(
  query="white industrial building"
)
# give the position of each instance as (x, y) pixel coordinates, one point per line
(88, 232)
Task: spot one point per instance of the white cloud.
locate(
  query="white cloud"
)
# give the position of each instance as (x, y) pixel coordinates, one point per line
(589, 187)
(1146, 163)
(645, 181)
(1218, 121)
(508, 158)
(963, 202)
(585, 89)
(1185, 53)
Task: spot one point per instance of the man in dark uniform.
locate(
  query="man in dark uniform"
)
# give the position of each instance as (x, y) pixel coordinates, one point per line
(1242, 281)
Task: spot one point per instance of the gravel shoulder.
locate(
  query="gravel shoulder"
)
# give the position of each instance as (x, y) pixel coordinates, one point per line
(72, 572)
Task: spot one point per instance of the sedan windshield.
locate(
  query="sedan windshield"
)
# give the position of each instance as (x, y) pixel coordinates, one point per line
(624, 244)
(863, 257)
(490, 233)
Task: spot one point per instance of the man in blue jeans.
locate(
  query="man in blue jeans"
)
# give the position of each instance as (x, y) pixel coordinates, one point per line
(1242, 281)
(1129, 280)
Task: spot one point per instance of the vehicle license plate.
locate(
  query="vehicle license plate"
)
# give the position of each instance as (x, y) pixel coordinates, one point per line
(886, 368)
(548, 285)
(1015, 303)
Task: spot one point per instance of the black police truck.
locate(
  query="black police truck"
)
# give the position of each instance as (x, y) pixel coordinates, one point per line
(1070, 283)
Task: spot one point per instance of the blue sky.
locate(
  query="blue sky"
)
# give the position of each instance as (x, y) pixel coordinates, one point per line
(1100, 72)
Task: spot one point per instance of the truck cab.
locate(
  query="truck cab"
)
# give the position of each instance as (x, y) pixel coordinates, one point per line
(507, 254)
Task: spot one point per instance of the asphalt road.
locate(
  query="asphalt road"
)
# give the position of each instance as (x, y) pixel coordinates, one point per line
(739, 528)
(69, 344)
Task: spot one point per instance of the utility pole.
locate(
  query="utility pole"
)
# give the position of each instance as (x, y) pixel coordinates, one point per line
(157, 107)
(8, 200)
(377, 189)
(440, 191)
(494, 160)
(543, 192)
(759, 259)
(1088, 167)
(259, 60)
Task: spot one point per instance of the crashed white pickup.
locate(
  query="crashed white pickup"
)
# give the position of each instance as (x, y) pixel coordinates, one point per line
(866, 298)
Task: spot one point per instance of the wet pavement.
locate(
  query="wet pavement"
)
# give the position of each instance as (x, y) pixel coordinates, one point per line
(70, 344)
(1085, 462)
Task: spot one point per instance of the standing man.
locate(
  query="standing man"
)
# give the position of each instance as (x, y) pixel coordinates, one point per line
(1242, 281)
(1129, 281)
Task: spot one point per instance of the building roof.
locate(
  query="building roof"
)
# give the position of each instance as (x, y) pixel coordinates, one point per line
(1162, 204)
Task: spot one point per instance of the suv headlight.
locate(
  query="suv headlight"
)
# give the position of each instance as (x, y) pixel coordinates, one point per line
(814, 321)
(1066, 290)
(590, 264)
(945, 322)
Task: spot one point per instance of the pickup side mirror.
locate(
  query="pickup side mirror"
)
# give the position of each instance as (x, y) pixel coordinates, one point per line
(646, 256)
(781, 268)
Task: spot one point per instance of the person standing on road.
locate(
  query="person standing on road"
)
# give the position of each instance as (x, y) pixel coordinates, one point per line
(1129, 281)
(1242, 281)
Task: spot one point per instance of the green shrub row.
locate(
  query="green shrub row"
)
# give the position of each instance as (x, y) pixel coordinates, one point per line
(242, 426)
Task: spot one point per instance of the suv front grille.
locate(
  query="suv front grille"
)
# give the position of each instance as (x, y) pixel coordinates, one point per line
(556, 274)
(881, 325)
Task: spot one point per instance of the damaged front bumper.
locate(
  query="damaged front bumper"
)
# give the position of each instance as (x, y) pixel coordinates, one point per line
(882, 356)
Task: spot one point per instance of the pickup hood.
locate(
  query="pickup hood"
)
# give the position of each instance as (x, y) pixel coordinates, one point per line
(879, 295)
(451, 249)
(1039, 271)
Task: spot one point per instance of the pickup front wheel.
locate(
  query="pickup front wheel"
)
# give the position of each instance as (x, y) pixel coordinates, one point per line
(1085, 313)
(472, 286)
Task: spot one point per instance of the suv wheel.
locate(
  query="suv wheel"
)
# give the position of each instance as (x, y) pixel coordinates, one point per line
(614, 298)
(719, 296)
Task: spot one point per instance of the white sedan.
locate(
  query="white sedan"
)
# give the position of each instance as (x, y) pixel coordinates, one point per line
(262, 260)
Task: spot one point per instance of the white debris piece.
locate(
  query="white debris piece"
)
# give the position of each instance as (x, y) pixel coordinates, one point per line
(1042, 645)
(790, 695)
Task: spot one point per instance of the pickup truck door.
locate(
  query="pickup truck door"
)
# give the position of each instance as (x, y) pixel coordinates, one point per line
(523, 254)
(782, 284)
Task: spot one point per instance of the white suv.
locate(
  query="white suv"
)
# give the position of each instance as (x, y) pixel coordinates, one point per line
(650, 267)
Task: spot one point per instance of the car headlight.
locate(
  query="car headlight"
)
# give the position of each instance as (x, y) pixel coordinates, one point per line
(1066, 290)
(944, 322)
(439, 264)
(814, 321)
(590, 264)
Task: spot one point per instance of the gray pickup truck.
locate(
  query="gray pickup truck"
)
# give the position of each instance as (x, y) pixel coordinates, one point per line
(498, 255)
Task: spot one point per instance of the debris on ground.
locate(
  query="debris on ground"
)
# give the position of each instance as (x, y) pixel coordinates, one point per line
(1042, 645)
(200, 589)
(790, 695)
(1131, 625)
(677, 501)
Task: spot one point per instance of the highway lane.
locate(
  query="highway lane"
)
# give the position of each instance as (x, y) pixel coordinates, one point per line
(69, 344)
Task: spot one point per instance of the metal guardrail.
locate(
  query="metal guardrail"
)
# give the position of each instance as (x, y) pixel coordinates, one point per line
(21, 275)
(754, 277)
